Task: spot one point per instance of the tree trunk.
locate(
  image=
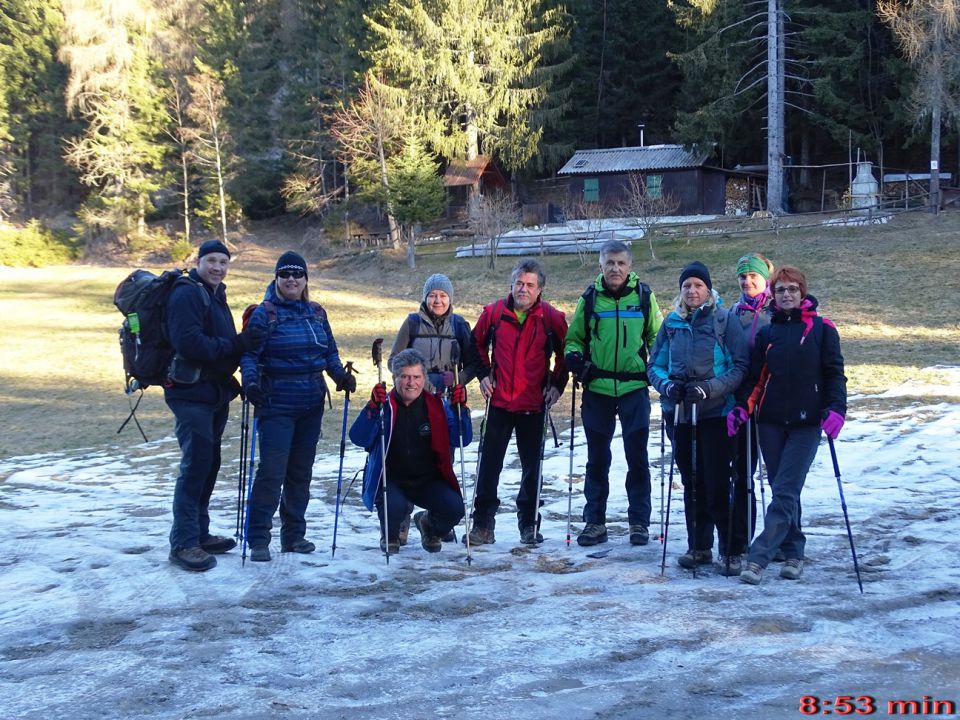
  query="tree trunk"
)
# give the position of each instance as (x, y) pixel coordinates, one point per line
(935, 112)
(184, 169)
(412, 232)
(395, 235)
(775, 146)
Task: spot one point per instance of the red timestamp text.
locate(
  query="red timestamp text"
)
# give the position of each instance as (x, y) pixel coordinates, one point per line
(868, 705)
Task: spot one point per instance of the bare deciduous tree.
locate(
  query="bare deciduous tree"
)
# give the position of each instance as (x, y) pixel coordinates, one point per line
(928, 31)
(646, 208)
(368, 129)
(490, 216)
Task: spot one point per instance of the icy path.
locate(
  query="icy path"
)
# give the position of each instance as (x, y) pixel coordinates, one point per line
(95, 623)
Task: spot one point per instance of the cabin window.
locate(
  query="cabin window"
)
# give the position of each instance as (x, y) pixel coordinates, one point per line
(654, 186)
(591, 190)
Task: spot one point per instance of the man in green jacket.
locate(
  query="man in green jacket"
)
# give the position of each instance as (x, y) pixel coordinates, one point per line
(616, 320)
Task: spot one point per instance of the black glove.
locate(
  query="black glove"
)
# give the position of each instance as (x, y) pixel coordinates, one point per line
(347, 382)
(674, 391)
(574, 362)
(250, 339)
(696, 392)
(255, 394)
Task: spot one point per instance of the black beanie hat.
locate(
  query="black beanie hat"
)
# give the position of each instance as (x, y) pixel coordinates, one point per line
(698, 270)
(291, 261)
(212, 246)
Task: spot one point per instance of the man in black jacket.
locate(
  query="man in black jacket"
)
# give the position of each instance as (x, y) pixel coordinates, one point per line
(199, 392)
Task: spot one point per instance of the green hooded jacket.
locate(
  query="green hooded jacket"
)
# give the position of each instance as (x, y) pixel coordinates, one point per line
(618, 332)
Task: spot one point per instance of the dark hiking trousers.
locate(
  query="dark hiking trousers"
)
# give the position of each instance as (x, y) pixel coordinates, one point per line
(789, 453)
(199, 429)
(500, 426)
(288, 447)
(599, 414)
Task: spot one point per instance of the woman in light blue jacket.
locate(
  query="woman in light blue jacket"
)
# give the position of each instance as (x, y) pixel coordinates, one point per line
(698, 360)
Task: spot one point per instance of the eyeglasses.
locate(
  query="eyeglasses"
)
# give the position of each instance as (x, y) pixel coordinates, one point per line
(789, 289)
(295, 274)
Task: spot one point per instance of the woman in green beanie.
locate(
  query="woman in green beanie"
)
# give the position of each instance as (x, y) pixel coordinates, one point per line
(753, 311)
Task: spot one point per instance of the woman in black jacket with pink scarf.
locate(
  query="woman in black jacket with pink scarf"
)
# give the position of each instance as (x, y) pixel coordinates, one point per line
(798, 388)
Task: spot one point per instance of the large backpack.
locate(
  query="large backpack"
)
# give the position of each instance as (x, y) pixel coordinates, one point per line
(144, 342)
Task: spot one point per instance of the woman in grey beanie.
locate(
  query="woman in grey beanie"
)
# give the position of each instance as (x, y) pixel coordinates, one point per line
(440, 335)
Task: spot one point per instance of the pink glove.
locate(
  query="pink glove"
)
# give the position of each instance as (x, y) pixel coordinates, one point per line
(447, 378)
(735, 418)
(832, 424)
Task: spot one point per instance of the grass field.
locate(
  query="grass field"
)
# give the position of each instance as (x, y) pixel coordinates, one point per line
(892, 290)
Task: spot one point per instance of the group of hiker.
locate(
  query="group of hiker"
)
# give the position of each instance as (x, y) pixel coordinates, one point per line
(764, 377)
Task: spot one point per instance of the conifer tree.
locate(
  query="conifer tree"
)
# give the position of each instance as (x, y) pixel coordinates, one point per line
(113, 87)
(32, 114)
(479, 73)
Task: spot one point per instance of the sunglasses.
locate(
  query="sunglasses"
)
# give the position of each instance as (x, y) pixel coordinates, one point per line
(295, 274)
(789, 289)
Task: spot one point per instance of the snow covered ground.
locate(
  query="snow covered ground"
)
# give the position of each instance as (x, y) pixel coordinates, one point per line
(95, 623)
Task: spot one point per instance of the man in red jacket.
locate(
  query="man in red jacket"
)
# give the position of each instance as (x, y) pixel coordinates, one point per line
(516, 338)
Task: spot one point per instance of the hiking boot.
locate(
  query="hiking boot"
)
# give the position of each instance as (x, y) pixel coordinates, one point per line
(301, 545)
(216, 545)
(735, 565)
(530, 536)
(639, 535)
(752, 574)
(481, 534)
(592, 534)
(261, 553)
(394, 546)
(792, 569)
(450, 536)
(431, 542)
(691, 558)
(404, 531)
(195, 559)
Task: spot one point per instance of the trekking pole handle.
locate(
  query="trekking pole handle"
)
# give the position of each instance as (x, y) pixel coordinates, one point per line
(376, 353)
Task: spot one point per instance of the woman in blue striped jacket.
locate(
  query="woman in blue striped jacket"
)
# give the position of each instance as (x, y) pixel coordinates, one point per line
(283, 378)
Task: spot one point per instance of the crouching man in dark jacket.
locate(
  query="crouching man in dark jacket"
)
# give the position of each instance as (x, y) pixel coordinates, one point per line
(419, 431)
(198, 391)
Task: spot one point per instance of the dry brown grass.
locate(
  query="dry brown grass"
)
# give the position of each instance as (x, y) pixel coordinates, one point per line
(892, 290)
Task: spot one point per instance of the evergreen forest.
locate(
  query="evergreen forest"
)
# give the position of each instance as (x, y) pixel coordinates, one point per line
(134, 118)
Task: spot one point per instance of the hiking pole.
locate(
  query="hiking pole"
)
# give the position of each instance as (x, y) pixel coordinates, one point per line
(348, 368)
(476, 476)
(673, 457)
(244, 432)
(846, 518)
(252, 464)
(573, 427)
(731, 486)
(761, 466)
(455, 361)
(377, 353)
(748, 480)
(693, 484)
(536, 504)
(663, 424)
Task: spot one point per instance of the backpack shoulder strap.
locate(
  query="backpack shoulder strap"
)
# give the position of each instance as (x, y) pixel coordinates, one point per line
(643, 291)
(413, 328)
(496, 315)
(589, 301)
(185, 279)
(318, 310)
